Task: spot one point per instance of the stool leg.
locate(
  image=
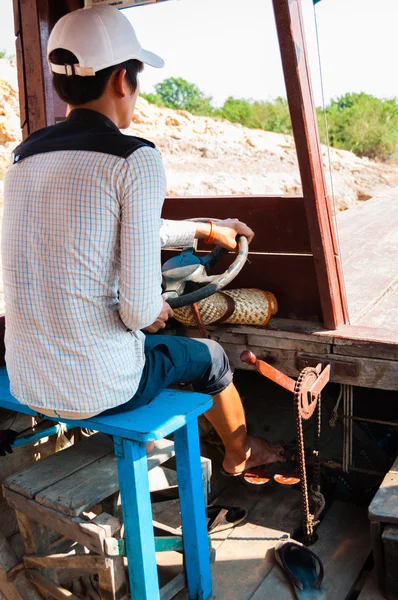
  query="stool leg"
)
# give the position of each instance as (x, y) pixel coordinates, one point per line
(194, 529)
(112, 580)
(35, 537)
(137, 517)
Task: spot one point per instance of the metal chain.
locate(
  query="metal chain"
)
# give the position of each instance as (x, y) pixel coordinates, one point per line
(309, 520)
(317, 497)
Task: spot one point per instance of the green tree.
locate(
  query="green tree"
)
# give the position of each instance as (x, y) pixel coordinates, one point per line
(178, 93)
(236, 110)
(152, 98)
(364, 124)
(271, 116)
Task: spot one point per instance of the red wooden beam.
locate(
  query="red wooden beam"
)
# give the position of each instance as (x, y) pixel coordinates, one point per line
(31, 27)
(23, 109)
(279, 221)
(289, 23)
(44, 26)
(33, 21)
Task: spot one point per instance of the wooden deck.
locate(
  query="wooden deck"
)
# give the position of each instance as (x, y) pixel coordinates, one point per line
(245, 566)
(368, 236)
(370, 591)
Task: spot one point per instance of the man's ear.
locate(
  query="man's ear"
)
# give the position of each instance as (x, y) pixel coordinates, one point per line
(120, 83)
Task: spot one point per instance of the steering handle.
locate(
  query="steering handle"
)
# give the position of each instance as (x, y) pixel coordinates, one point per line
(219, 282)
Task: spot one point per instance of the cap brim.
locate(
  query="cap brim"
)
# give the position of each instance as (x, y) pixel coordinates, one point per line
(149, 58)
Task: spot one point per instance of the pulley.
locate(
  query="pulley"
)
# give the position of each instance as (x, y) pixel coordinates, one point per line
(307, 397)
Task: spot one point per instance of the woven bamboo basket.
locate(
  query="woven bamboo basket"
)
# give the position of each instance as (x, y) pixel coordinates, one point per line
(244, 307)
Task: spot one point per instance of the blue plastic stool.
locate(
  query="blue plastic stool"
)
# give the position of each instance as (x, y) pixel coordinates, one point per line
(171, 412)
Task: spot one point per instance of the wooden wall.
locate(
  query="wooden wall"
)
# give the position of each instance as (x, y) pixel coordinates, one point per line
(280, 258)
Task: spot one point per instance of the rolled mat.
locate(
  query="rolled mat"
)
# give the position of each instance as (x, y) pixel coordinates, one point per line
(244, 307)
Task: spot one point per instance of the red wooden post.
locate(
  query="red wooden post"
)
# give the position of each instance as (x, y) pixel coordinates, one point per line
(33, 21)
(23, 109)
(289, 23)
(31, 29)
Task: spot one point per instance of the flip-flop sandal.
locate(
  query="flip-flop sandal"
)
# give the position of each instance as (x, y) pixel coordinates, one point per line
(223, 517)
(262, 476)
(256, 476)
(303, 568)
(287, 478)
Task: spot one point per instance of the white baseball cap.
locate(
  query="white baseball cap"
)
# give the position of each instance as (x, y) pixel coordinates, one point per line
(100, 37)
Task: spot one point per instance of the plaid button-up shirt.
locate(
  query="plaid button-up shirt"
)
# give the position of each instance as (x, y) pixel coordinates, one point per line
(82, 233)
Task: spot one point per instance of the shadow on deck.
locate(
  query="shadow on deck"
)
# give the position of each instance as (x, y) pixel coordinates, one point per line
(245, 567)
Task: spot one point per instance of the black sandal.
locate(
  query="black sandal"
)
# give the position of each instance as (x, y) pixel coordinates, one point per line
(223, 517)
(303, 568)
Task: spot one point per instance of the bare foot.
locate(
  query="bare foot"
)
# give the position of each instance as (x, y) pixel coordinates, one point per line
(259, 452)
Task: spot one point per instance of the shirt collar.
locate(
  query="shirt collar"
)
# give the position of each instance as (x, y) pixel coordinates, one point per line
(90, 117)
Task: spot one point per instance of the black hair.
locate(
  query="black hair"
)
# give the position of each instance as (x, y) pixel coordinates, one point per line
(76, 90)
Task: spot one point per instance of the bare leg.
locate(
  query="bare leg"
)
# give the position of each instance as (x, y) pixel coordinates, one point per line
(149, 447)
(241, 450)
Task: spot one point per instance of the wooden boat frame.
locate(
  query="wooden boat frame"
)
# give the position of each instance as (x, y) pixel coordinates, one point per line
(295, 253)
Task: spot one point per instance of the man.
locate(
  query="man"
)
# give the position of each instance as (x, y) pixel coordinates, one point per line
(82, 234)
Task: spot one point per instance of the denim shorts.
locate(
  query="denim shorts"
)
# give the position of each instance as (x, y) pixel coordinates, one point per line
(171, 360)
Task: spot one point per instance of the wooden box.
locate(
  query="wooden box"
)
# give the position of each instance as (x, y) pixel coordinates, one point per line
(383, 515)
(390, 552)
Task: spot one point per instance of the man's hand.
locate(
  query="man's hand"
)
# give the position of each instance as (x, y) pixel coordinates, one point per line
(227, 230)
(162, 319)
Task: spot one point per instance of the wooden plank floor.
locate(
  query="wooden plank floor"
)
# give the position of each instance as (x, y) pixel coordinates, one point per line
(245, 567)
(368, 237)
(370, 590)
(245, 553)
(343, 546)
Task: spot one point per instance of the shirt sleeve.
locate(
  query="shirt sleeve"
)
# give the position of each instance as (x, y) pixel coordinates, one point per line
(142, 191)
(177, 233)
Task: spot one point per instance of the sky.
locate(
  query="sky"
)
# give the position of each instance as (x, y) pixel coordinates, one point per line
(229, 47)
